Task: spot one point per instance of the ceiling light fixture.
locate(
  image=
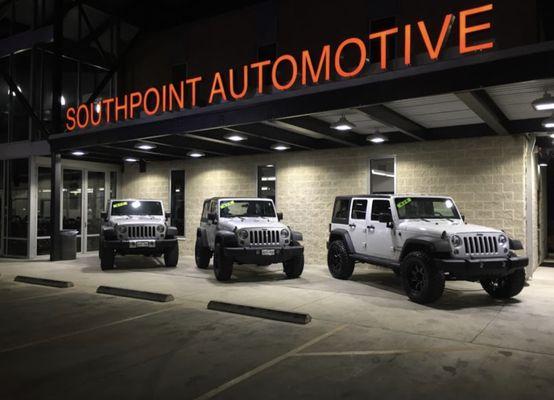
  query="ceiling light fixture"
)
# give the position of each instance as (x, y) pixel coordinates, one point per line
(270, 166)
(343, 125)
(280, 147)
(195, 154)
(543, 165)
(145, 146)
(546, 102)
(549, 122)
(235, 137)
(78, 153)
(130, 159)
(377, 138)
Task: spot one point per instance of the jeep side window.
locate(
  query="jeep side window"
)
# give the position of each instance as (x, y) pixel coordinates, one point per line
(359, 208)
(340, 211)
(205, 210)
(379, 207)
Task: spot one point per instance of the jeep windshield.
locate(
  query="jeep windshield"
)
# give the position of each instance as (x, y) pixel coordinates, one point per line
(246, 208)
(136, 207)
(426, 208)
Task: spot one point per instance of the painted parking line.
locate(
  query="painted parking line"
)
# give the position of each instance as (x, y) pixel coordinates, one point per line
(269, 364)
(382, 352)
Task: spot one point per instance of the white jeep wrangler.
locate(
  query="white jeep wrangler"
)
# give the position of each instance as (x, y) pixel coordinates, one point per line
(425, 240)
(132, 226)
(246, 231)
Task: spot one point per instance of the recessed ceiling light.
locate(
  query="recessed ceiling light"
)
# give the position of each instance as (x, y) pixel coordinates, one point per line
(546, 102)
(195, 154)
(343, 124)
(62, 100)
(280, 147)
(552, 135)
(78, 153)
(376, 139)
(543, 165)
(130, 159)
(145, 146)
(549, 122)
(235, 137)
(270, 166)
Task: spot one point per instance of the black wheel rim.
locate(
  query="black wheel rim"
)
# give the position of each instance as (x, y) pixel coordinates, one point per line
(417, 278)
(335, 260)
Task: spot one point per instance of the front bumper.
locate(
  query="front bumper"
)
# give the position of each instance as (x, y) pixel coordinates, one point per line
(474, 269)
(140, 246)
(250, 255)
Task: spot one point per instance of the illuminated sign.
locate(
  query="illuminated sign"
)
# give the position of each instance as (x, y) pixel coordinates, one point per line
(284, 73)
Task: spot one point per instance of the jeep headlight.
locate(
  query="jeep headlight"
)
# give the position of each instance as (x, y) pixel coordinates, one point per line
(121, 229)
(160, 228)
(502, 239)
(285, 233)
(456, 241)
(243, 234)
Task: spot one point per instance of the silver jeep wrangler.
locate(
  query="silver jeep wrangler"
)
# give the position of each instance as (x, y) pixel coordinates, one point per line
(132, 226)
(246, 231)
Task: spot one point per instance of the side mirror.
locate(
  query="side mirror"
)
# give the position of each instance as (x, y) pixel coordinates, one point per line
(212, 217)
(385, 218)
(463, 218)
(104, 215)
(167, 215)
(279, 216)
(516, 245)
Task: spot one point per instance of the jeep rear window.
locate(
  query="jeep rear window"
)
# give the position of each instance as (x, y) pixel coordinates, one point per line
(426, 208)
(246, 208)
(136, 208)
(340, 211)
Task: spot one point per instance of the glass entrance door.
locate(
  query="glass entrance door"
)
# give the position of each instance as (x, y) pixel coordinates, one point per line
(72, 203)
(96, 201)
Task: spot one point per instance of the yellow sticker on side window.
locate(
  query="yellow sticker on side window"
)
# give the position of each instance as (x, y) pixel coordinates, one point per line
(225, 205)
(404, 203)
(120, 204)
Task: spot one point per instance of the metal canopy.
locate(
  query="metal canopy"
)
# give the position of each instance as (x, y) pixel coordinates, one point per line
(466, 97)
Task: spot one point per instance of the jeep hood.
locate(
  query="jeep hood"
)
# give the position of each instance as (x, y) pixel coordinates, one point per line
(438, 226)
(137, 219)
(249, 222)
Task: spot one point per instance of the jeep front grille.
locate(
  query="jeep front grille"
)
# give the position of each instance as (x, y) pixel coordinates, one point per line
(481, 245)
(141, 232)
(265, 237)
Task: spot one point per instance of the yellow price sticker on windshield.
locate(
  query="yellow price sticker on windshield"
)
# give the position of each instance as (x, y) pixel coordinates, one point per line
(226, 205)
(404, 203)
(120, 204)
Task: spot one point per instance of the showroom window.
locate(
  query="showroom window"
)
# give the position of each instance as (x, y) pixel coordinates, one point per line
(382, 176)
(267, 181)
(178, 200)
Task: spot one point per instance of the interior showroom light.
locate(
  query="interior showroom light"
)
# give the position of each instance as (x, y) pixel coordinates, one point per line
(280, 147)
(145, 146)
(13, 92)
(195, 154)
(546, 102)
(78, 153)
(343, 124)
(377, 138)
(552, 135)
(549, 122)
(62, 100)
(235, 137)
(130, 159)
(543, 164)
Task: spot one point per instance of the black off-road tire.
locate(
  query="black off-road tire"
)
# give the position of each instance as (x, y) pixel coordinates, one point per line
(223, 266)
(421, 280)
(505, 287)
(293, 268)
(340, 265)
(202, 255)
(171, 256)
(107, 258)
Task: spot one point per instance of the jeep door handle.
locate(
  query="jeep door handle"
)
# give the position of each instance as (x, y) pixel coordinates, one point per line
(352, 225)
(371, 228)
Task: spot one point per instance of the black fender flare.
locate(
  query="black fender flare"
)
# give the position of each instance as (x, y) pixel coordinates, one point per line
(171, 232)
(431, 244)
(226, 238)
(344, 235)
(202, 236)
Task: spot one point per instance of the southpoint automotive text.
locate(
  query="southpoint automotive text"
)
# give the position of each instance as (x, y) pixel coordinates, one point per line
(287, 71)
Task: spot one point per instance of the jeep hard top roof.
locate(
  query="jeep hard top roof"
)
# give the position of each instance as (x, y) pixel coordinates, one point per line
(237, 198)
(387, 196)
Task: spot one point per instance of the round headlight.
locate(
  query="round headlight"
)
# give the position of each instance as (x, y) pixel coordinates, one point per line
(121, 228)
(285, 233)
(160, 228)
(243, 234)
(456, 241)
(502, 239)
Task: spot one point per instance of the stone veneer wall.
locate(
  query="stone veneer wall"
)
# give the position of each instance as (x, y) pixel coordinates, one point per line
(486, 177)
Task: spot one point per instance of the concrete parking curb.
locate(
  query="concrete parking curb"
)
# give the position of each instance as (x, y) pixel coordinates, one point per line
(277, 315)
(43, 281)
(136, 294)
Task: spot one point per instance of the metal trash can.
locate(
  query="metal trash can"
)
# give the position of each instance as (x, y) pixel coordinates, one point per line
(66, 242)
